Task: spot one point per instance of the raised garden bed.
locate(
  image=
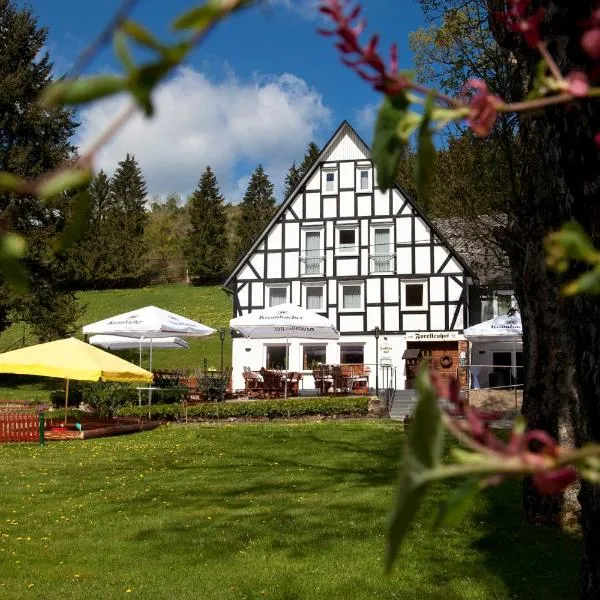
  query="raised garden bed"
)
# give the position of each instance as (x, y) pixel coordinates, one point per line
(93, 427)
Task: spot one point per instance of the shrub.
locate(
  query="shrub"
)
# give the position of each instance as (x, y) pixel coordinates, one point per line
(108, 397)
(270, 409)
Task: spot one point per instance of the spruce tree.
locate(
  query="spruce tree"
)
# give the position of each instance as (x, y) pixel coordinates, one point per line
(295, 174)
(310, 157)
(206, 247)
(292, 179)
(256, 209)
(127, 219)
(33, 141)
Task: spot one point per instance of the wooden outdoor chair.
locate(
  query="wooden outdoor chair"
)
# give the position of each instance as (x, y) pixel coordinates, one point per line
(341, 379)
(360, 379)
(293, 383)
(253, 383)
(323, 378)
(273, 385)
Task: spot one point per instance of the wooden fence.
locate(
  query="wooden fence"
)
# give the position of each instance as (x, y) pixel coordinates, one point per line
(18, 425)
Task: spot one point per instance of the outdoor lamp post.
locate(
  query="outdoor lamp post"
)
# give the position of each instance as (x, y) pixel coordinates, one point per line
(222, 333)
(376, 332)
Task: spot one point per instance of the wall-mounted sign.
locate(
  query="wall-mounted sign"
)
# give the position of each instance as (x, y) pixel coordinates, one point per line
(433, 336)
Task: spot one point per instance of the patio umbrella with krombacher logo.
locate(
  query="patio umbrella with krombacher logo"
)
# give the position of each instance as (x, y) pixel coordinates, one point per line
(285, 321)
(71, 359)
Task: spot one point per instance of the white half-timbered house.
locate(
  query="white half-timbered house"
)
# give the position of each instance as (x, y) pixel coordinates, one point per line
(364, 258)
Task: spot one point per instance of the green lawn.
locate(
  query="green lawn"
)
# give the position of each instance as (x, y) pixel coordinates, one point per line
(209, 305)
(281, 511)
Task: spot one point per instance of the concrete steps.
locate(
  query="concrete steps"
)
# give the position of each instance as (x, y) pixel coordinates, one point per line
(403, 404)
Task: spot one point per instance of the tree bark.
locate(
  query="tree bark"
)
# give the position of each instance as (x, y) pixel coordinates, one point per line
(560, 181)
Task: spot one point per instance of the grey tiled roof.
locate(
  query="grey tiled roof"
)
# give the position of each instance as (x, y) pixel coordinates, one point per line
(474, 240)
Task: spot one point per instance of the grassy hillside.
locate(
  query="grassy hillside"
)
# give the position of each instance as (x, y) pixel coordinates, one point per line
(209, 305)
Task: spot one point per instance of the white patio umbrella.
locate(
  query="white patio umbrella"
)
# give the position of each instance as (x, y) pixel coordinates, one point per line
(149, 322)
(285, 321)
(119, 342)
(504, 328)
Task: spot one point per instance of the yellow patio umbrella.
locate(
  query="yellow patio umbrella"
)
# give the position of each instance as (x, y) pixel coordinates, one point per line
(71, 359)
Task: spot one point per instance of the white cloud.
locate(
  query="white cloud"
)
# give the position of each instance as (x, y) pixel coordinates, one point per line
(307, 9)
(365, 119)
(230, 125)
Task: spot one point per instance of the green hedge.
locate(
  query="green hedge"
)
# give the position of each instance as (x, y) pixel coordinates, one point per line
(270, 409)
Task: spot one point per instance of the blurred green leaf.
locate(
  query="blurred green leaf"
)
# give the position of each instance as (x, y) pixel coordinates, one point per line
(142, 82)
(12, 183)
(408, 125)
(12, 249)
(141, 35)
(570, 242)
(588, 283)
(77, 223)
(443, 116)
(458, 503)
(422, 453)
(56, 183)
(387, 145)
(122, 50)
(200, 17)
(80, 91)
(426, 154)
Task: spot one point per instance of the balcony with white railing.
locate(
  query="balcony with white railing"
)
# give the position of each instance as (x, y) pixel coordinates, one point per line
(382, 263)
(312, 265)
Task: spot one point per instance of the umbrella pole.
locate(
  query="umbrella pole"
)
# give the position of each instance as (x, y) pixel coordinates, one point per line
(287, 366)
(150, 369)
(66, 398)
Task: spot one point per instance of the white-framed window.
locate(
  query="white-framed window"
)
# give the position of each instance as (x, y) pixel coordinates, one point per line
(276, 294)
(364, 176)
(313, 253)
(414, 294)
(381, 255)
(276, 356)
(351, 354)
(329, 180)
(496, 303)
(314, 297)
(313, 355)
(347, 239)
(351, 296)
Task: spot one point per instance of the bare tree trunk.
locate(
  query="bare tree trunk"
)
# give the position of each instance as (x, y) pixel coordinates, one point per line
(561, 181)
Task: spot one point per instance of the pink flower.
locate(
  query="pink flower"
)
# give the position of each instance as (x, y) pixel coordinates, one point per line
(579, 84)
(516, 20)
(590, 42)
(556, 481)
(365, 59)
(484, 107)
(597, 139)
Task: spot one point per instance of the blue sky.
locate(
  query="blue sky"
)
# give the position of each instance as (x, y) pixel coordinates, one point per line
(262, 86)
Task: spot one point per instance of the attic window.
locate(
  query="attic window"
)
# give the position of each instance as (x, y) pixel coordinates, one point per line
(329, 182)
(364, 179)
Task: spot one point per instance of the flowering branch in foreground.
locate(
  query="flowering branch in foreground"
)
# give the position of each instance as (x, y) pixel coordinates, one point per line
(482, 105)
(487, 461)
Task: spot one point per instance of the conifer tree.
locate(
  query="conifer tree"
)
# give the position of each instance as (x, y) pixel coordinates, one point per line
(292, 179)
(256, 209)
(33, 141)
(206, 247)
(295, 174)
(127, 218)
(310, 156)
